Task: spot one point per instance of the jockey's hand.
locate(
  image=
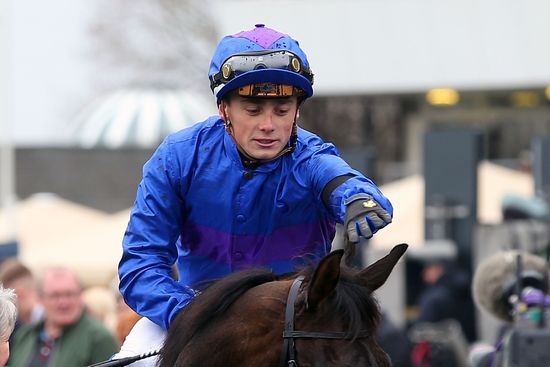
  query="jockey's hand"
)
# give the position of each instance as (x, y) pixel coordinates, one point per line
(364, 216)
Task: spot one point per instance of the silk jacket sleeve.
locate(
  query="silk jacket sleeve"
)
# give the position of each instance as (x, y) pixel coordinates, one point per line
(149, 244)
(325, 165)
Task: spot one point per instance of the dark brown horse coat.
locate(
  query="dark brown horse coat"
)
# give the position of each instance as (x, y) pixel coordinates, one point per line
(239, 321)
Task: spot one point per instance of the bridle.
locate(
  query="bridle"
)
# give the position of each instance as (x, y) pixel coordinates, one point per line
(289, 334)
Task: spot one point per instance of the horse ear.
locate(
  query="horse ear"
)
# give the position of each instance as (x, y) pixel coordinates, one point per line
(324, 279)
(376, 274)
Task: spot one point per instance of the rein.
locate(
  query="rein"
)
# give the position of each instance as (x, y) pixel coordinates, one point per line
(126, 360)
(289, 334)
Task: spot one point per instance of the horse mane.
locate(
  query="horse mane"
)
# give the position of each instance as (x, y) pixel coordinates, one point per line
(351, 301)
(207, 307)
(355, 304)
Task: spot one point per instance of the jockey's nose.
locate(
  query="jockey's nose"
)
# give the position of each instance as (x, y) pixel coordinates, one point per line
(267, 122)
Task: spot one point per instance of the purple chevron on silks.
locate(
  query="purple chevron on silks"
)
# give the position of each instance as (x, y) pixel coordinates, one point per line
(261, 35)
(258, 250)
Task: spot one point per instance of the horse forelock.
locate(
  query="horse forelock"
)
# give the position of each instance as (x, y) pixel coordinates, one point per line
(351, 308)
(352, 301)
(358, 312)
(356, 304)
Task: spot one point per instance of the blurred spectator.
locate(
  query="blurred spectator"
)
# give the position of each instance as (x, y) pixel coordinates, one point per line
(447, 296)
(515, 207)
(68, 336)
(101, 303)
(445, 322)
(8, 315)
(395, 342)
(14, 274)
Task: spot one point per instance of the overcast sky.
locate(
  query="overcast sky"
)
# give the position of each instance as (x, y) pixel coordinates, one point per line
(49, 68)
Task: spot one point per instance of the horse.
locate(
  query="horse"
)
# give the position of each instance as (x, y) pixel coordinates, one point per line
(324, 315)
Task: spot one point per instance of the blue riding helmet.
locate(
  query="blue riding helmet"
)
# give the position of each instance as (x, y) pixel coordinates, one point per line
(261, 55)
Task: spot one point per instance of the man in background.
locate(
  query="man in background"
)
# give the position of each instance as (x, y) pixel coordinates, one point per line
(14, 274)
(447, 296)
(445, 324)
(67, 336)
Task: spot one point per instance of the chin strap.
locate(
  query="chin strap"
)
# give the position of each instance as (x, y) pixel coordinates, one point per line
(247, 159)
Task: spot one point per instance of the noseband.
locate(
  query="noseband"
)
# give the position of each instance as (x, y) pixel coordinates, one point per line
(289, 334)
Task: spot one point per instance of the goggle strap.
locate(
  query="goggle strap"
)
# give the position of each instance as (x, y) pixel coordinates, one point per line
(215, 80)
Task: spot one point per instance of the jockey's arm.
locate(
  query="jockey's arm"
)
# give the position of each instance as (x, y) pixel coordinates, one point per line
(344, 191)
(149, 245)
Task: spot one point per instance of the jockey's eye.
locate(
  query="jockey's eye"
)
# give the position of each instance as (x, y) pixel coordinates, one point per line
(282, 111)
(252, 110)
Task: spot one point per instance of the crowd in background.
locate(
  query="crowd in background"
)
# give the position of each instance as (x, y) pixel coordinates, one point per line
(59, 322)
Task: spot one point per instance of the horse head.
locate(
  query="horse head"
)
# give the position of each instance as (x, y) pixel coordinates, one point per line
(323, 316)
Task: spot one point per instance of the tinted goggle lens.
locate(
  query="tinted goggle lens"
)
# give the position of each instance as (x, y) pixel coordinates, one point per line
(269, 90)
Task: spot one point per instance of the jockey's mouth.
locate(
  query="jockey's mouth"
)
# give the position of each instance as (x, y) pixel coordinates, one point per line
(267, 143)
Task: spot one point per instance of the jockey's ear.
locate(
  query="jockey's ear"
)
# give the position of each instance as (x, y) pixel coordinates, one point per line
(222, 110)
(324, 279)
(376, 274)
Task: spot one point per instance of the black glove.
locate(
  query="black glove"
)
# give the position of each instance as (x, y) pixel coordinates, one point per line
(364, 216)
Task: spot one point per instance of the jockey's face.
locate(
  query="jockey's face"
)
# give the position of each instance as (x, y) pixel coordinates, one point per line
(261, 126)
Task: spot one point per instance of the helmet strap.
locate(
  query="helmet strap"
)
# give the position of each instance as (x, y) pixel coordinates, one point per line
(249, 161)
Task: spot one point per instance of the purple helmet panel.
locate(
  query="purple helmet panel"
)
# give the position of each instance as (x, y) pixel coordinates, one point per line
(261, 35)
(258, 39)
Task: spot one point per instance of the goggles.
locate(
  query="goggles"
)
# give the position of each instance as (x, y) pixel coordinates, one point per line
(269, 90)
(242, 63)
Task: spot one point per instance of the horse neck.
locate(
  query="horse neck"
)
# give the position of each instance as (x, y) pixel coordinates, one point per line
(250, 334)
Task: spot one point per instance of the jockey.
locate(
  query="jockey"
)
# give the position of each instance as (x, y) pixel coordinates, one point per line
(247, 188)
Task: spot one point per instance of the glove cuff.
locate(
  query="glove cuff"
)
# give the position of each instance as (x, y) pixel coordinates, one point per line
(359, 204)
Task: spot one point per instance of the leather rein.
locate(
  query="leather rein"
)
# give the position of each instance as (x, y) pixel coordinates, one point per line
(289, 334)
